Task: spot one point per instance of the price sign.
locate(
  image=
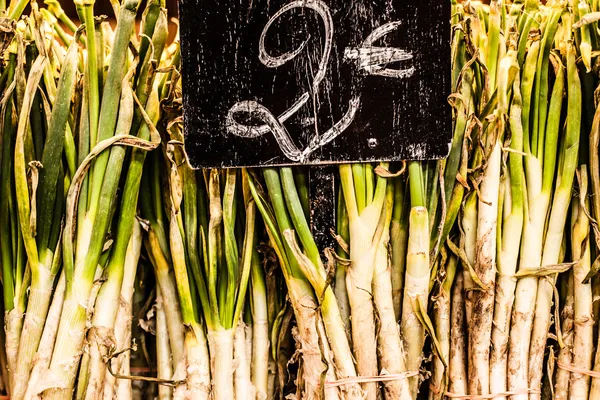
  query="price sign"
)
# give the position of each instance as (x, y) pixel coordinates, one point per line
(284, 82)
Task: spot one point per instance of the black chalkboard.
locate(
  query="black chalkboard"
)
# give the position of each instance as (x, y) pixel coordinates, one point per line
(283, 82)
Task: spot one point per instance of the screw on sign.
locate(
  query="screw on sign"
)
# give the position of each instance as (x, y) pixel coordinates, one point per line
(314, 82)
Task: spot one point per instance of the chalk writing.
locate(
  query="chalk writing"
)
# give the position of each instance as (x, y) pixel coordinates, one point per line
(371, 59)
(284, 82)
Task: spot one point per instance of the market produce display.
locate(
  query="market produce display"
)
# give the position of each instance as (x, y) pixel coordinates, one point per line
(127, 274)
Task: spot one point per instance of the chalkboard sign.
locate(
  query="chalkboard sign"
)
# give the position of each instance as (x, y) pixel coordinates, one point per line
(284, 82)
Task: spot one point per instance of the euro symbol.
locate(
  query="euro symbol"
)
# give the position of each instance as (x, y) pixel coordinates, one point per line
(374, 59)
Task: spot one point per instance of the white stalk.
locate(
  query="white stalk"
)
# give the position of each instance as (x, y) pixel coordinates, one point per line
(44, 354)
(565, 355)
(416, 289)
(242, 381)
(163, 349)
(173, 313)
(442, 320)
(198, 364)
(123, 330)
(261, 359)
(469, 244)
(458, 355)
(101, 336)
(543, 304)
(249, 333)
(314, 345)
(13, 324)
(221, 356)
(391, 352)
(583, 340)
(505, 289)
(526, 289)
(30, 329)
(485, 267)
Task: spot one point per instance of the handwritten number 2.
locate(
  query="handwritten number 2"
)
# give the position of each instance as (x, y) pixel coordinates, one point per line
(369, 58)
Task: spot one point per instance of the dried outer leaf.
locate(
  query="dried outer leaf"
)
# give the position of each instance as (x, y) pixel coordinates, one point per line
(582, 178)
(175, 180)
(559, 336)
(340, 241)
(324, 359)
(7, 32)
(287, 314)
(20, 78)
(460, 253)
(158, 381)
(442, 218)
(587, 19)
(331, 264)
(341, 260)
(107, 245)
(386, 173)
(593, 270)
(421, 313)
(550, 368)
(307, 267)
(545, 270)
(21, 185)
(34, 175)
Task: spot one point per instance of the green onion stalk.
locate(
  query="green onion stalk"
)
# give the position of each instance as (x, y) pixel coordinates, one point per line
(40, 220)
(107, 303)
(224, 299)
(584, 325)
(305, 278)
(369, 203)
(501, 65)
(389, 341)
(399, 242)
(362, 221)
(558, 214)
(44, 353)
(157, 248)
(565, 354)
(510, 231)
(417, 276)
(310, 262)
(214, 230)
(279, 314)
(442, 308)
(540, 166)
(468, 247)
(80, 263)
(13, 266)
(594, 165)
(101, 334)
(457, 360)
(582, 329)
(123, 323)
(172, 242)
(449, 309)
(261, 354)
(196, 362)
(342, 261)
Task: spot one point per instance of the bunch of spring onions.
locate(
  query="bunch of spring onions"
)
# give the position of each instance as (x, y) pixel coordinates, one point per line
(79, 112)
(523, 311)
(127, 274)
